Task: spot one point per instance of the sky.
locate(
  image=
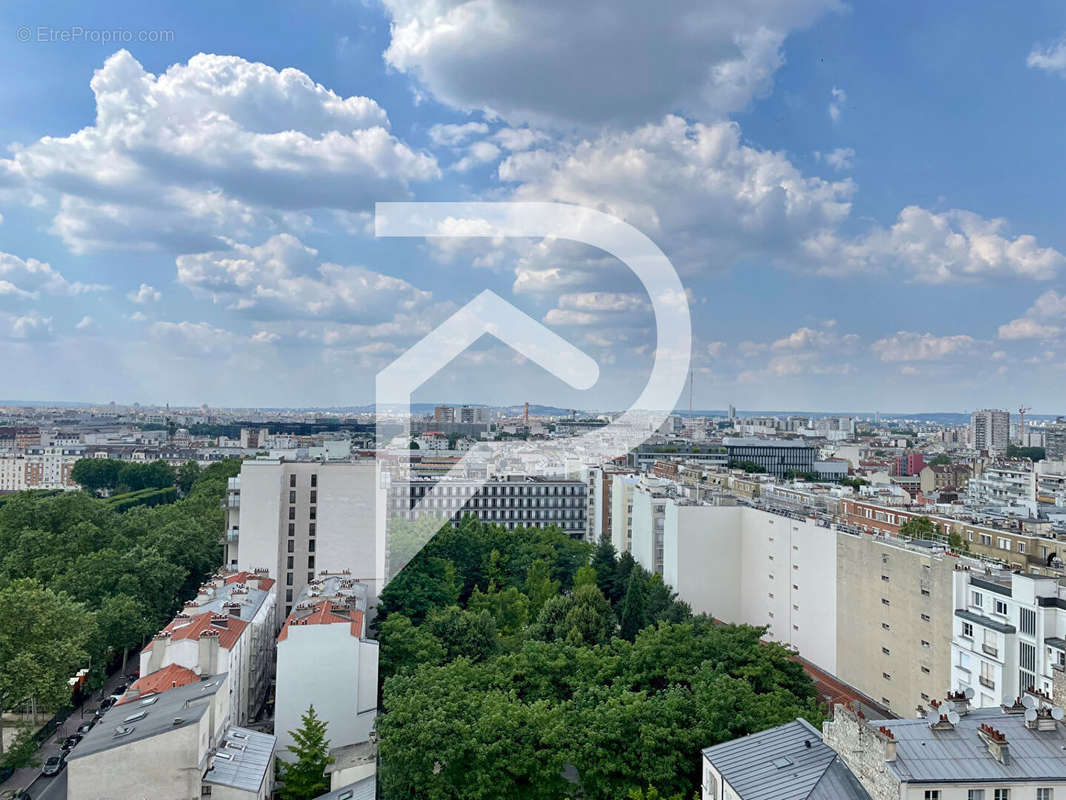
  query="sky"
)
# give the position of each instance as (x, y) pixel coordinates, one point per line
(863, 202)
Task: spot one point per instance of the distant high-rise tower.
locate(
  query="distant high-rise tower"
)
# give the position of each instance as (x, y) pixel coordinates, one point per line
(444, 414)
(1055, 440)
(732, 412)
(990, 430)
(525, 414)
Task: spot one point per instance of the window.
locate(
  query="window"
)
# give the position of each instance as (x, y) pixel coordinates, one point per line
(1001, 794)
(1001, 608)
(975, 794)
(288, 579)
(311, 546)
(292, 529)
(1027, 620)
(292, 512)
(314, 496)
(312, 528)
(932, 794)
(976, 599)
(967, 630)
(310, 562)
(314, 480)
(292, 496)
(292, 546)
(312, 512)
(1021, 549)
(205, 790)
(1045, 794)
(292, 480)
(289, 565)
(310, 576)
(288, 595)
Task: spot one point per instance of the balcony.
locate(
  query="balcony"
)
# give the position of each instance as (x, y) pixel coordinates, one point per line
(988, 683)
(990, 650)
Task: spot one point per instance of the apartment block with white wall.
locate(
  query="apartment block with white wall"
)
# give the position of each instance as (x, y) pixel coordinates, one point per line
(1009, 634)
(326, 661)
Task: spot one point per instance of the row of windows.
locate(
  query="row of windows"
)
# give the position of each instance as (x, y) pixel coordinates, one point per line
(570, 490)
(292, 480)
(1042, 793)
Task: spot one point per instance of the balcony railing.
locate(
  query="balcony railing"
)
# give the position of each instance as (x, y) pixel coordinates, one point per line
(988, 683)
(990, 650)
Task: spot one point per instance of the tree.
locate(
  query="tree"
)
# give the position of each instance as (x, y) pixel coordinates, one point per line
(43, 642)
(463, 633)
(94, 474)
(305, 778)
(585, 576)
(403, 646)
(427, 583)
(582, 618)
(540, 588)
(634, 615)
(414, 445)
(508, 607)
(187, 475)
(605, 562)
(941, 460)
(121, 626)
(920, 528)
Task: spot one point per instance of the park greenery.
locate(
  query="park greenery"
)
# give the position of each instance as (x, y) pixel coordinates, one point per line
(82, 582)
(1032, 453)
(525, 664)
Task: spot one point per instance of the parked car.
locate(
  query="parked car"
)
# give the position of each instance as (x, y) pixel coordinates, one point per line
(54, 764)
(70, 742)
(15, 794)
(133, 676)
(85, 727)
(106, 703)
(120, 690)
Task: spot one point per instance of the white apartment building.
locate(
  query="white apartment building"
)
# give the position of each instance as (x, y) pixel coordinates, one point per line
(622, 488)
(325, 660)
(647, 514)
(228, 627)
(297, 517)
(990, 430)
(1004, 486)
(174, 744)
(12, 472)
(1009, 633)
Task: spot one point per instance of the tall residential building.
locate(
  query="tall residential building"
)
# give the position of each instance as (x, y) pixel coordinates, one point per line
(1008, 636)
(325, 660)
(910, 463)
(1055, 440)
(473, 414)
(599, 496)
(444, 414)
(990, 430)
(298, 517)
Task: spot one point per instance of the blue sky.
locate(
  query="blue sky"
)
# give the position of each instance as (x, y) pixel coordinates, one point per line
(864, 204)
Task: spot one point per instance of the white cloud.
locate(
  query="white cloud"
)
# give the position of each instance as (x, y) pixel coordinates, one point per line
(477, 154)
(1049, 304)
(911, 346)
(452, 135)
(1051, 58)
(935, 247)
(31, 327)
(838, 97)
(32, 278)
(596, 62)
(85, 323)
(1027, 328)
(216, 145)
(283, 278)
(144, 295)
(840, 159)
(559, 316)
(716, 349)
(265, 337)
(695, 188)
(602, 301)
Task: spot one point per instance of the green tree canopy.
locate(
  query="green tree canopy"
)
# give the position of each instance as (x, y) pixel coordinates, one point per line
(305, 778)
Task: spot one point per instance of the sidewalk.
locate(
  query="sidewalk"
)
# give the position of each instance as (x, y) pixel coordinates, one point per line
(23, 778)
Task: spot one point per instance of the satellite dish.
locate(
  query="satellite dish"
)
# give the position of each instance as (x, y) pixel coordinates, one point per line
(932, 716)
(1056, 713)
(969, 693)
(953, 717)
(1029, 701)
(1030, 715)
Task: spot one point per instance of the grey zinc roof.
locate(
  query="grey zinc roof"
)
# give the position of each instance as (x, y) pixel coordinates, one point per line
(162, 712)
(366, 789)
(755, 766)
(987, 622)
(242, 759)
(924, 755)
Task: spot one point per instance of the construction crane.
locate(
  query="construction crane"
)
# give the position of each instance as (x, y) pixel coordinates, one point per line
(1021, 424)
